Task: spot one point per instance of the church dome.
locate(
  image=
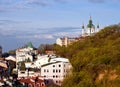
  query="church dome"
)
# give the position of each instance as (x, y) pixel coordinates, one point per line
(90, 25)
(30, 45)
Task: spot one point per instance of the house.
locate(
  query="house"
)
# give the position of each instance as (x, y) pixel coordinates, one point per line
(10, 58)
(32, 82)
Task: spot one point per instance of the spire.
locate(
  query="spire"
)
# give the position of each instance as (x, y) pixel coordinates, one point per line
(90, 25)
(90, 22)
(90, 17)
(98, 26)
(83, 29)
(83, 26)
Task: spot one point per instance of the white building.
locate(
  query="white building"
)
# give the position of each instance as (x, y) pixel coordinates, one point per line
(25, 53)
(56, 70)
(53, 69)
(65, 41)
(90, 30)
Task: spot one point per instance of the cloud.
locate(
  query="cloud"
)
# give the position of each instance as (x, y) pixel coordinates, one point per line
(14, 5)
(4, 22)
(36, 36)
(39, 33)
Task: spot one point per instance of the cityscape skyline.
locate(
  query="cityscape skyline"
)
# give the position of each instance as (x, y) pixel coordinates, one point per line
(41, 21)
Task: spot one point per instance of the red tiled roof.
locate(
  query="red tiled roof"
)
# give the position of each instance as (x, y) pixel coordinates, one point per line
(33, 81)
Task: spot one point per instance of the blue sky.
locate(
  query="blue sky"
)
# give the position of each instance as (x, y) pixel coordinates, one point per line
(42, 21)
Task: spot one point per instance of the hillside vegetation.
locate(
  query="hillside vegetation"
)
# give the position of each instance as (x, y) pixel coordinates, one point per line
(95, 60)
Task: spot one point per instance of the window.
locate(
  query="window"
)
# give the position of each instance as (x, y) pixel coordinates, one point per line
(47, 70)
(56, 76)
(44, 75)
(30, 85)
(56, 81)
(59, 65)
(37, 84)
(53, 76)
(53, 65)
(56, 70)
(53, 71)
(44, 70)
(42, 84)
(59, 70)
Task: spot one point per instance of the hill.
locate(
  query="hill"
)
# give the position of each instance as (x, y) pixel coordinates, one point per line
(95, 60)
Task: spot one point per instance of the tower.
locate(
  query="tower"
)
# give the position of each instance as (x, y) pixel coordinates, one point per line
(98, 28)
(83, 30)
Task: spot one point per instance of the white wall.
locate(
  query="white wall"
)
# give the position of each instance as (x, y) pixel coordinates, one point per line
(55, 71)
(59, 41)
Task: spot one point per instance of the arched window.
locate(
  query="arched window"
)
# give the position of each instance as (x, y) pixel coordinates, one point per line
(30, 85)
(37, 85)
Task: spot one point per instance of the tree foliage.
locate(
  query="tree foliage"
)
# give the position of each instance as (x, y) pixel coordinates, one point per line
(94, 56)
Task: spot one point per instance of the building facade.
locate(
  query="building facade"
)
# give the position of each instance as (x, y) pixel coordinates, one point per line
(56, 70)
(65, 41)
(25, 53)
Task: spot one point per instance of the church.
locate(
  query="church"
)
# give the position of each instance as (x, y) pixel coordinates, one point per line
(90, 30)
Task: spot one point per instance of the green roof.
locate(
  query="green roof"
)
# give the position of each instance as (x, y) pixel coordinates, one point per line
(30, 45)
(90, 25)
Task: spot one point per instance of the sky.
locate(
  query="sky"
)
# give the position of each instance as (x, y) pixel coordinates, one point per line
(42, 21)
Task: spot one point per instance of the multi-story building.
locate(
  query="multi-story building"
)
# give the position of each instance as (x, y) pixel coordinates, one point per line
(51, 68)
(23, 54)
(55, 70)
(0, 51)
(65, 41)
